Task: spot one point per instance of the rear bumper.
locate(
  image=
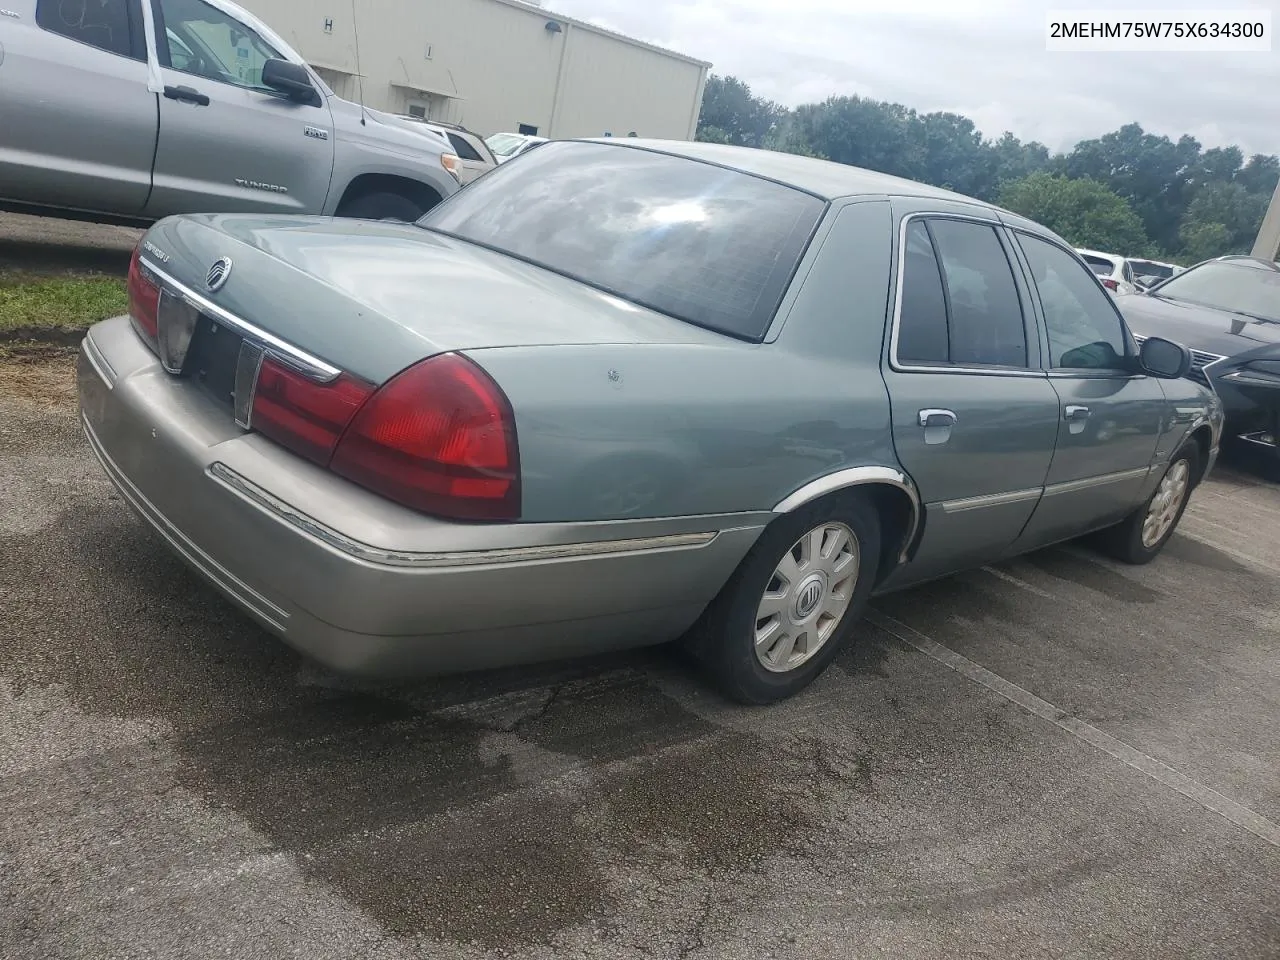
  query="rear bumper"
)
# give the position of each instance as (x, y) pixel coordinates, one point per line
(365, 586)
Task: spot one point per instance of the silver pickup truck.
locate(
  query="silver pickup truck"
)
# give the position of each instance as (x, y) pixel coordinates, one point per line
(127, 111)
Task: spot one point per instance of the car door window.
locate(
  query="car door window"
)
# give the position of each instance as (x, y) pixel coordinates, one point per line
(105, 24)
(463, 149)
(203, 41)
(960, 303)
(984, 312)
(1085, 331)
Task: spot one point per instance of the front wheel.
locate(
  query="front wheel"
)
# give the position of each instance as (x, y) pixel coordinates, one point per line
(1142, 535)
(793, 602)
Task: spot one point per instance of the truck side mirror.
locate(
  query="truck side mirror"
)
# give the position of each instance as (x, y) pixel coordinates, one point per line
(292, 80)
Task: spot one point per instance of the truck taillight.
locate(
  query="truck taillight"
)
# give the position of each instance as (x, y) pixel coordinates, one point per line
(439, 437)
(144, 298)
(302, 415)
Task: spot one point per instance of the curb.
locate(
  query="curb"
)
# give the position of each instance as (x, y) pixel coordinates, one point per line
(56, 336)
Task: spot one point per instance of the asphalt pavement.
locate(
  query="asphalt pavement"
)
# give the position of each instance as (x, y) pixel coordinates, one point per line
(1054, 757)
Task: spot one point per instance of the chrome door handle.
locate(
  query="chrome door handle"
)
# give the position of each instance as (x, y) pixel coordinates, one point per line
(1075, 412)
(937, 418)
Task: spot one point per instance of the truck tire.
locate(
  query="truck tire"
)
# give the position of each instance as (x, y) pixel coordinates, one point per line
(383, 205)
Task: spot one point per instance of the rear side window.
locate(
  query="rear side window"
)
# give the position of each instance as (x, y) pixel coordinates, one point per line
(922, 328)
(1102, 268)
(464, 150)
(710, 246)
(105, 24)
(960, 304)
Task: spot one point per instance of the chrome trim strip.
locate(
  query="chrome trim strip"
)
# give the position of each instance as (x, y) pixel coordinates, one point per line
(854, 477)
(252, 493)
(1074, 486)
(101, 365)
(232, 585)
(995, 223)
(991, 500)
(306, 363)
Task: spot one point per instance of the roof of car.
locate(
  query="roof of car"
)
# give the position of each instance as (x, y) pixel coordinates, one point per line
(822, 177)
(1113, 257)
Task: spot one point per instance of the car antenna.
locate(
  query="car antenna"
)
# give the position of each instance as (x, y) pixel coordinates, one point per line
(355, 29)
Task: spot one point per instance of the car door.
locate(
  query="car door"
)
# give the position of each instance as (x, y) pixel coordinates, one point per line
(1110, 417)
(974, 417)
(227, 143)
(77, 123)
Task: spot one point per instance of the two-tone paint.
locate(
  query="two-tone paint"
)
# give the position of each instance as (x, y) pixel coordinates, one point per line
(653, 453)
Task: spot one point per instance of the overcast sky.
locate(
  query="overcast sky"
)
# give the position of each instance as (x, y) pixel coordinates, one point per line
(985, 59)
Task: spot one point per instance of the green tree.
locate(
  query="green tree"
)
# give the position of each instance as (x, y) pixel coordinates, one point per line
(1235, 208)
(1203, 241)
(1152, 172)
(1082, 211)
(731, 113)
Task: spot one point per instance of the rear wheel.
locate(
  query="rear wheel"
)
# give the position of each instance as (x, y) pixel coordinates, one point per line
(382, 205)
(793, 602)
(1142, 535)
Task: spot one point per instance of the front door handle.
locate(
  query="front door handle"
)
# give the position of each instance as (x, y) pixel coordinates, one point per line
(1075, 414)
(187, 94)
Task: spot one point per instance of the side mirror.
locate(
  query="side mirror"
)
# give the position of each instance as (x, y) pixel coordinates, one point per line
(1164, 358)
(290, 79)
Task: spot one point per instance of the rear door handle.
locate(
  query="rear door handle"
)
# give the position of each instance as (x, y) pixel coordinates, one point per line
(937, 418)
(1075, 412)
(937, 425)
(187, 94)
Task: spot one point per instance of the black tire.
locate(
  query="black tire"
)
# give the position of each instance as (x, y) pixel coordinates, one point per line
(381, 206)
(1124, 540)
(723, 642)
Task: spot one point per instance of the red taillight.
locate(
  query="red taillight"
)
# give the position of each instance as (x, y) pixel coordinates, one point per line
(1110, 284)
(439, 437)
(144, 298)
(305, 416)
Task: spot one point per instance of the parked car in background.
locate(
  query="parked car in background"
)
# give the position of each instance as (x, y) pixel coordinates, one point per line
(1147, 273)
(625, 391)
(1228, 312)
(474, 156)
(508, 145)
(1112, 270)
(218, 114)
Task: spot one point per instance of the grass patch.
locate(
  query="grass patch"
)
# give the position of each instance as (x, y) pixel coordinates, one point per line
(31, 302)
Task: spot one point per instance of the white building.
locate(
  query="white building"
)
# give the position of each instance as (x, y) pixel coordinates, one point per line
(493, 65)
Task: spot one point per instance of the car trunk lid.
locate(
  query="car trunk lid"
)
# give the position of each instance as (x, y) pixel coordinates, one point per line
(371, 298)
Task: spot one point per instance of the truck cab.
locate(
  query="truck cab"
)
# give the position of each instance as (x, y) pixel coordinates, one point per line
(132, 110)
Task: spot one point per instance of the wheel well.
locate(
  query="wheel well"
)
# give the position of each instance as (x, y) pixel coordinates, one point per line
(1203, 437)
(898, 520)
(368, 183)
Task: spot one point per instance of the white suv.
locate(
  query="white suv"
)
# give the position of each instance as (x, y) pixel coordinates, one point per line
(1114, 271)
(474, 155)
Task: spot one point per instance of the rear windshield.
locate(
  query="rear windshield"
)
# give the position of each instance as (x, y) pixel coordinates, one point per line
(1102, 268)
(706, 245)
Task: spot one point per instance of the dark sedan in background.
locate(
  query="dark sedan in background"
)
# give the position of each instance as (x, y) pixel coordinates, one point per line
(1227, 311)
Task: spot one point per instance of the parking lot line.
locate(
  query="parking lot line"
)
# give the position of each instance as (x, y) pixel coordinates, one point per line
(1207, 797)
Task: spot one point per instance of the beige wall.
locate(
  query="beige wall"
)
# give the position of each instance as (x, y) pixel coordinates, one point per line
(493, 66)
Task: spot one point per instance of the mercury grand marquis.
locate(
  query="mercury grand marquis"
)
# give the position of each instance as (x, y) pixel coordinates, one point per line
(619, 393)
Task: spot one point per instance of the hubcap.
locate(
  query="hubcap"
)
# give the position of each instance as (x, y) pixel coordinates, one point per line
(807, 597)
(1165, 504)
